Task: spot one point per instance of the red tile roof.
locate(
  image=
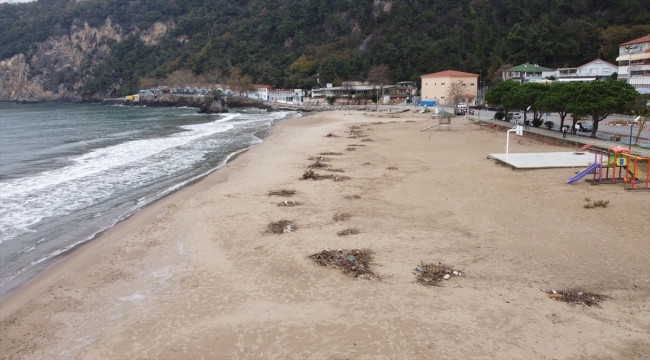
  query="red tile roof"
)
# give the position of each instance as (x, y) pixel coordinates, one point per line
(637, 41)
(260, 86)
(452, 73)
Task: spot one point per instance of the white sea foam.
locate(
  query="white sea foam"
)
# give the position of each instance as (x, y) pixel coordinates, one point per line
(96, 175)
(101, 174)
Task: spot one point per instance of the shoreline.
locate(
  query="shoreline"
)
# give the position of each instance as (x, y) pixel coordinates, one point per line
(62, 260)
(72, 248)
(196, 275)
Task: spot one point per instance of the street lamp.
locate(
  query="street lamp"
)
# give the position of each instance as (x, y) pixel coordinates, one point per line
(632, 128)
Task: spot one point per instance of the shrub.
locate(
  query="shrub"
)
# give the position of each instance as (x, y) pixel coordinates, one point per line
(537, 122)
(499, 115)
(549, 125)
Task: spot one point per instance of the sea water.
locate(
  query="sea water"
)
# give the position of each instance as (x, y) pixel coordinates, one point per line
(68, 172)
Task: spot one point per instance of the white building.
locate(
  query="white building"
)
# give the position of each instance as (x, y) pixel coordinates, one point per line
(634, 62)
(281, 95)
(527, 72)
(594, 70)
(261, 92)
(351, 88)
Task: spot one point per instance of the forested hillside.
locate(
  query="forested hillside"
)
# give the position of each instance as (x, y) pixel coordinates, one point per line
(285, 43)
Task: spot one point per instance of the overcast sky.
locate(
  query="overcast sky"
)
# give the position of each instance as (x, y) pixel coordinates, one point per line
(14, 1)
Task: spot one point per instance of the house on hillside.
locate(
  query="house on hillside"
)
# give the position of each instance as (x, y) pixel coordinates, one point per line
(437, 86)
(594, 70)
(261, 92)
(281, 95)
(634, 62)
(407, 88)
(352, 89)
(527, 72)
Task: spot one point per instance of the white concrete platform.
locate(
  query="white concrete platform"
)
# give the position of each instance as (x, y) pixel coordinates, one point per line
(545, 160)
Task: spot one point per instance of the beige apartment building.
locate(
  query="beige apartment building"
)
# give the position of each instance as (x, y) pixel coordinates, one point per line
(436, 86)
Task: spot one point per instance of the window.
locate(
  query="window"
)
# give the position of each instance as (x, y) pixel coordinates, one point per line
(442, 97)
(462, 85)
(607, 70)
(593, 71)
(472, 84)
(442, 83)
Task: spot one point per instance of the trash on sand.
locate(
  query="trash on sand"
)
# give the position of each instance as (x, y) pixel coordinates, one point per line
(577, 297)
(355, 262)
(281, 227)
(432, 274)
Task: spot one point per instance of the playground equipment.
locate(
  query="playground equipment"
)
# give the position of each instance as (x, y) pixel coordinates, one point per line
(616, 158)
(444, 118)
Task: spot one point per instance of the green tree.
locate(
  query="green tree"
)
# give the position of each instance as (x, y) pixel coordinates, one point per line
(500, 94)
(528, 95)
(599, 99)
(641, 107)
(559, 98)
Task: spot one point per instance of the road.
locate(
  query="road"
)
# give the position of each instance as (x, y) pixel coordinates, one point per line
(554, 117)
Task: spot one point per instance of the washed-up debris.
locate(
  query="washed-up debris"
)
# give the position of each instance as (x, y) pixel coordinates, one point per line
(319, 158)
(410, 120)
(331, 135)
(577, 296)
(341, 216)
(355, 263)
(352, 197)
(288, 203)
(366, 163)
(597, 203)
(391, 168)
(281, 227)
(433, 274)
(346, 232)
(318, 164)
(330, 153)
(283, 192)
(366, 140)
(357, 145)
(334, 170)
(350, 149)
(310, 174)
(354, 127)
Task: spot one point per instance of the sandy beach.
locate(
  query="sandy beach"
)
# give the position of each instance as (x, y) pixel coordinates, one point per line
(196, 275)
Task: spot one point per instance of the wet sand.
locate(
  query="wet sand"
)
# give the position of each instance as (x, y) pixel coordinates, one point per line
(195, 275)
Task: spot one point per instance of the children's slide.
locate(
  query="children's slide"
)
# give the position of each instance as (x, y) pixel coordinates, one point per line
(583, 173)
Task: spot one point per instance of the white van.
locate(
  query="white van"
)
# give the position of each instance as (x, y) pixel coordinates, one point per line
(461, 106)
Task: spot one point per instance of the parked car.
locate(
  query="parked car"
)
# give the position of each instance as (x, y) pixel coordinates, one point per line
(514, 117)
(461, 106)
(584, 127)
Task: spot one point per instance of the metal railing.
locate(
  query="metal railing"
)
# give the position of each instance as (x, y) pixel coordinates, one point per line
(624, 139)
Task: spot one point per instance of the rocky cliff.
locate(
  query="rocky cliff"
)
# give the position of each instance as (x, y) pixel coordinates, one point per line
(211, 103)
(56, 69)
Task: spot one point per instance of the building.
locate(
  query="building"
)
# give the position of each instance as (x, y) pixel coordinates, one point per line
(594, 70)
(527, 72)
(407, 88)
(261, 92)
(634, 62)
(281, 95)
(351, 88)
(437, 86)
